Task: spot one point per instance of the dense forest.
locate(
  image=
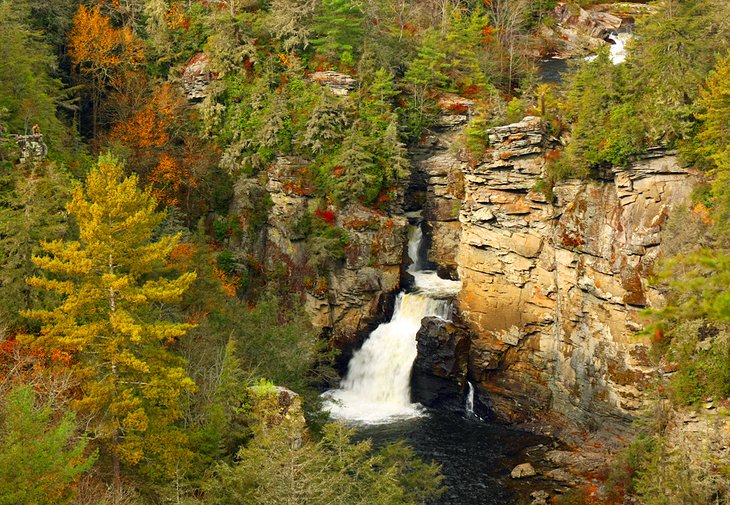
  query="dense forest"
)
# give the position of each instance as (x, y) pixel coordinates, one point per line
(145, 344)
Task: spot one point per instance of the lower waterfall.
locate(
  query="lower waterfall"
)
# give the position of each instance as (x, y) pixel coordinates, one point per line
(377, 385)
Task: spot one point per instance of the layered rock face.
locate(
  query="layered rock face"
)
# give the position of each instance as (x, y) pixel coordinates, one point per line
(354, 296)
(553, 291)
(439, 171)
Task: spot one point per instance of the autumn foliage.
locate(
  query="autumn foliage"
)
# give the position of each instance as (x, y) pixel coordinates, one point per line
(159, 149)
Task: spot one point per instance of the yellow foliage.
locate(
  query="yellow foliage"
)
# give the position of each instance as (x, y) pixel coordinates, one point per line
(132, 383)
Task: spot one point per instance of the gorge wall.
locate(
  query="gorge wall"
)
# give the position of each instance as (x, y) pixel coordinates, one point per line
(352, 297)
(553, 286)
(553, 290)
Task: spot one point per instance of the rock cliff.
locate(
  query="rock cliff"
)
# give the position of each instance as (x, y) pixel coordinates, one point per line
(438, 181)
(353, 297)
(553, 290)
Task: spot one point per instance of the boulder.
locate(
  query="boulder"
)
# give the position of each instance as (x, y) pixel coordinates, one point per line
(439, 371)
(31, 146)
(523, 471)
(339, 84)
(196, 77)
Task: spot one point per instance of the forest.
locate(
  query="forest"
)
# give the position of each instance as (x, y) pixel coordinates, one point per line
(151, 353)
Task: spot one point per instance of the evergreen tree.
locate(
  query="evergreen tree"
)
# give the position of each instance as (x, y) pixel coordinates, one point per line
(40, 459)
(29, 95)
(113, 287)
(339, 27)
(32, 200)
(673, 52)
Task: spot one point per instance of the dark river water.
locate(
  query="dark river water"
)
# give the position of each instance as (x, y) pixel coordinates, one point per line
(476, 457)
(552, 70)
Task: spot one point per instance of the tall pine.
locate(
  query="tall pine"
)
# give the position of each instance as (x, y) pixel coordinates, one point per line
(115, 282)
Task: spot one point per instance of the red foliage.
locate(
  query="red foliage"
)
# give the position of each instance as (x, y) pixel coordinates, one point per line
(553, 155)
(326, 215)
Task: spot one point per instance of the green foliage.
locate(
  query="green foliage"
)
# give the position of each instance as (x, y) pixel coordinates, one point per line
(32, 209)
(41, 457)
(338, 29)
(683, 471)
(604, 128)
(280, 463)
(673, 52)
(29, 93)
(703, 352)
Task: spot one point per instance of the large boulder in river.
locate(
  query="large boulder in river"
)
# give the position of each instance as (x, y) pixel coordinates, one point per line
(439, 372)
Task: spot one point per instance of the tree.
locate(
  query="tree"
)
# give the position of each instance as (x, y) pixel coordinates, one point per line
(339, 28)
(40, 459)
(102, 52)
(32, 199)
(114, 283)
(288, 22)
(282, 465)
(673, 52)
(29, 94)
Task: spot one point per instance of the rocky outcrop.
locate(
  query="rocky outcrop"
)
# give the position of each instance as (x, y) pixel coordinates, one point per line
(596, 24)
(439, 371)
(553, 290)
(196, 77)
(354, 295)
(339, 84)
(31, 146)
(577, 31)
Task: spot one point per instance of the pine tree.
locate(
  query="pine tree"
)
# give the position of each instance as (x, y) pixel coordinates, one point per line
(32, 199)
(28, 94)
(114, 283)
(339, 25)
(40, 459)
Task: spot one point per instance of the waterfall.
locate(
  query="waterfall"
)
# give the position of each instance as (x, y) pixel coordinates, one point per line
(377, 385)
(469, 406)
(618, 48)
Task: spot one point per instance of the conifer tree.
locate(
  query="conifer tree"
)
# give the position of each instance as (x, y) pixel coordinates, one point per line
(40, 459)
(339, 24)
(32, 199)
(114, 283)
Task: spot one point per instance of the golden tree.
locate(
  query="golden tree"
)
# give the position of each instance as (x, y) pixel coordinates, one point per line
(114, 283)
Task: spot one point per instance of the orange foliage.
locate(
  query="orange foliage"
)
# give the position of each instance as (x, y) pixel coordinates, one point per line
(701, 210)
(182, 253)
(141, 130)
(487, 34)
(176, 18)
(99, 48)
(227, 284)
(166, 179)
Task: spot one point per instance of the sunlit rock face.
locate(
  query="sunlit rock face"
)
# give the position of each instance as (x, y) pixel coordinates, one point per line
(196, 77)
(553, 290)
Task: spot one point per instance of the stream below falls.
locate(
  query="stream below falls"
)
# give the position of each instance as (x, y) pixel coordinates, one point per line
(476, 457)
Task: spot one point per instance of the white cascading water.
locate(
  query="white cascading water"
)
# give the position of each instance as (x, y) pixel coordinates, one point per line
(377, 385)
(469, 407)
(618, 48)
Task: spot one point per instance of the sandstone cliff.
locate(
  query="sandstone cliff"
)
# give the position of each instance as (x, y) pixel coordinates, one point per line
(553, 290)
